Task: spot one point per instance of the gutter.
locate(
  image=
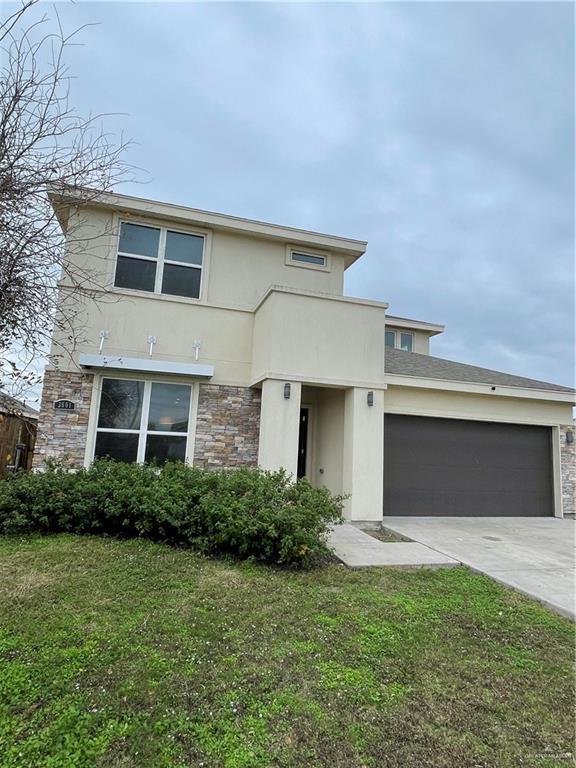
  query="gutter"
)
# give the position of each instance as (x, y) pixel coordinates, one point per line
(479, 388)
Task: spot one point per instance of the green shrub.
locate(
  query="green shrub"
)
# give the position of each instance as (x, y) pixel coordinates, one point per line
(249, 513)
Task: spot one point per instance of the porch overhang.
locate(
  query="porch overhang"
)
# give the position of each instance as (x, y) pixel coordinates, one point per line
(146, 365)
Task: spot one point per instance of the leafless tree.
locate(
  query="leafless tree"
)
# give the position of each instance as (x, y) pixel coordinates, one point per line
(44, 143)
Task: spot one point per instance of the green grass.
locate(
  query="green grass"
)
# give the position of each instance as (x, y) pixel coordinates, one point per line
(132, 654)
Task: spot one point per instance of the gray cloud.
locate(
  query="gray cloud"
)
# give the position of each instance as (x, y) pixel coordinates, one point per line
(440, 132)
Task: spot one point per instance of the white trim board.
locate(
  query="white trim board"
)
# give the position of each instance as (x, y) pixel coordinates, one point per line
(496, 390)
(417, 325)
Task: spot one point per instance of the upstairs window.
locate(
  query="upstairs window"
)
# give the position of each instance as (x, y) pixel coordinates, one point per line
(308, 259)
(159, 260)
(407, 342)
(400, 340)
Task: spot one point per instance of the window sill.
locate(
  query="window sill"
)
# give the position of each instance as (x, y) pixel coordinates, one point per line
(401, 350)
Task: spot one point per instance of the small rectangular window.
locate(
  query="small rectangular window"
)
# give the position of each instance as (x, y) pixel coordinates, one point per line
(309, 258)
(406, 341)
(400, 340)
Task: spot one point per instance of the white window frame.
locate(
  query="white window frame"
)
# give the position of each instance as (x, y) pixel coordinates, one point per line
(291, 262)
(398, 338)
(143, 430)
(161, 259)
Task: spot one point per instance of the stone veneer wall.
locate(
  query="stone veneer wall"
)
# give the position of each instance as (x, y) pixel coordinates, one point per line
(568, 469)
(62, 434)
(227, 426)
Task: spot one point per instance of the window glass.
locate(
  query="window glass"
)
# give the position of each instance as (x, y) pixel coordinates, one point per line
(145, 259)
(116, 445)
(135, 273)
(121, 404)
(186, 248)
(181, 281)
(140, 240)
(163, 448)
(406, 340)
(309, 258)
(169, 407)
(390, 338)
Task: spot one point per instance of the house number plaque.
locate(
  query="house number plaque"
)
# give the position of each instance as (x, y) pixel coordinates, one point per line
(64, 405)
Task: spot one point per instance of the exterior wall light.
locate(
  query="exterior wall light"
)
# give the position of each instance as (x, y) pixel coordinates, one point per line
(287, 391)
(569, 437)
(370, 398)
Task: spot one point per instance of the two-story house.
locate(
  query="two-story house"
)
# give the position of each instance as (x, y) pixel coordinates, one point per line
(227, 342)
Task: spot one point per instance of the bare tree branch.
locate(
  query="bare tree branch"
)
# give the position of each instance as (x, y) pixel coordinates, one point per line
(44, 142)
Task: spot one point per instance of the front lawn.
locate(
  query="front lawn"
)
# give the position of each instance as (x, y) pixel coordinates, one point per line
(137, 655)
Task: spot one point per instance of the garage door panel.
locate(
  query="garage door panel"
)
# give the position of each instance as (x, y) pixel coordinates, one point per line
(470, 447)
(453, 504)
(457, 467)
(430, 477)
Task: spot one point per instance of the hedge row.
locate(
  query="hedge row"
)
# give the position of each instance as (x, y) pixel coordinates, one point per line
(245, 512)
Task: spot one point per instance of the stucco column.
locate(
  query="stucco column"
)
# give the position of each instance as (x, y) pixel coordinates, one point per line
(279, 426)
(363, 454)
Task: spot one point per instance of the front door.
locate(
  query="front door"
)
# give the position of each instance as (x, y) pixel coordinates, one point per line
(303, 442)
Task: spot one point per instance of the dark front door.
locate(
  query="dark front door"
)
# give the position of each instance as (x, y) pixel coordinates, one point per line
(303, 442)
(466, 468)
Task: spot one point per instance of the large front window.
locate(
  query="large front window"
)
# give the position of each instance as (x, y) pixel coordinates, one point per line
(159, 260)
(145, 421)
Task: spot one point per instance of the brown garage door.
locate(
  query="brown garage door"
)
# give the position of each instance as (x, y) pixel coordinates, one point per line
(466, 468)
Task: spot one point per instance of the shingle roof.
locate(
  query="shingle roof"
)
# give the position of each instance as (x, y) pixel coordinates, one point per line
(425, 366)
(9, 404)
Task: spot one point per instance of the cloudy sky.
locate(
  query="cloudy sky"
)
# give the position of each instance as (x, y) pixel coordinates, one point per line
(442, 133)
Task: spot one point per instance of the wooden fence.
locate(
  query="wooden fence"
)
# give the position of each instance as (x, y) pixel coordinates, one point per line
(17, 437)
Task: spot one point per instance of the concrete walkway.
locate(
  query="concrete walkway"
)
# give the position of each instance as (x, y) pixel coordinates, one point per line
(357, 549)
(533, 555)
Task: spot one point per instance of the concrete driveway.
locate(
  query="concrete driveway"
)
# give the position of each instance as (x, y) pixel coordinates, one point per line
(532, 555)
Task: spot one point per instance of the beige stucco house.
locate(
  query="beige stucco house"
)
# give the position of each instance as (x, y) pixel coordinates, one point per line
(227, 342)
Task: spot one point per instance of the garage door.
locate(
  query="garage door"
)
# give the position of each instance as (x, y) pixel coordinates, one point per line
(466, 468)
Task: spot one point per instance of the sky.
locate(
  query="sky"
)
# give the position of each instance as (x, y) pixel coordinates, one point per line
(441, 133)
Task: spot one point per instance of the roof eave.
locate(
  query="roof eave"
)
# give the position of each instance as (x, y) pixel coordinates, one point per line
(405, 380)
(62, 198)
(433, 329)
